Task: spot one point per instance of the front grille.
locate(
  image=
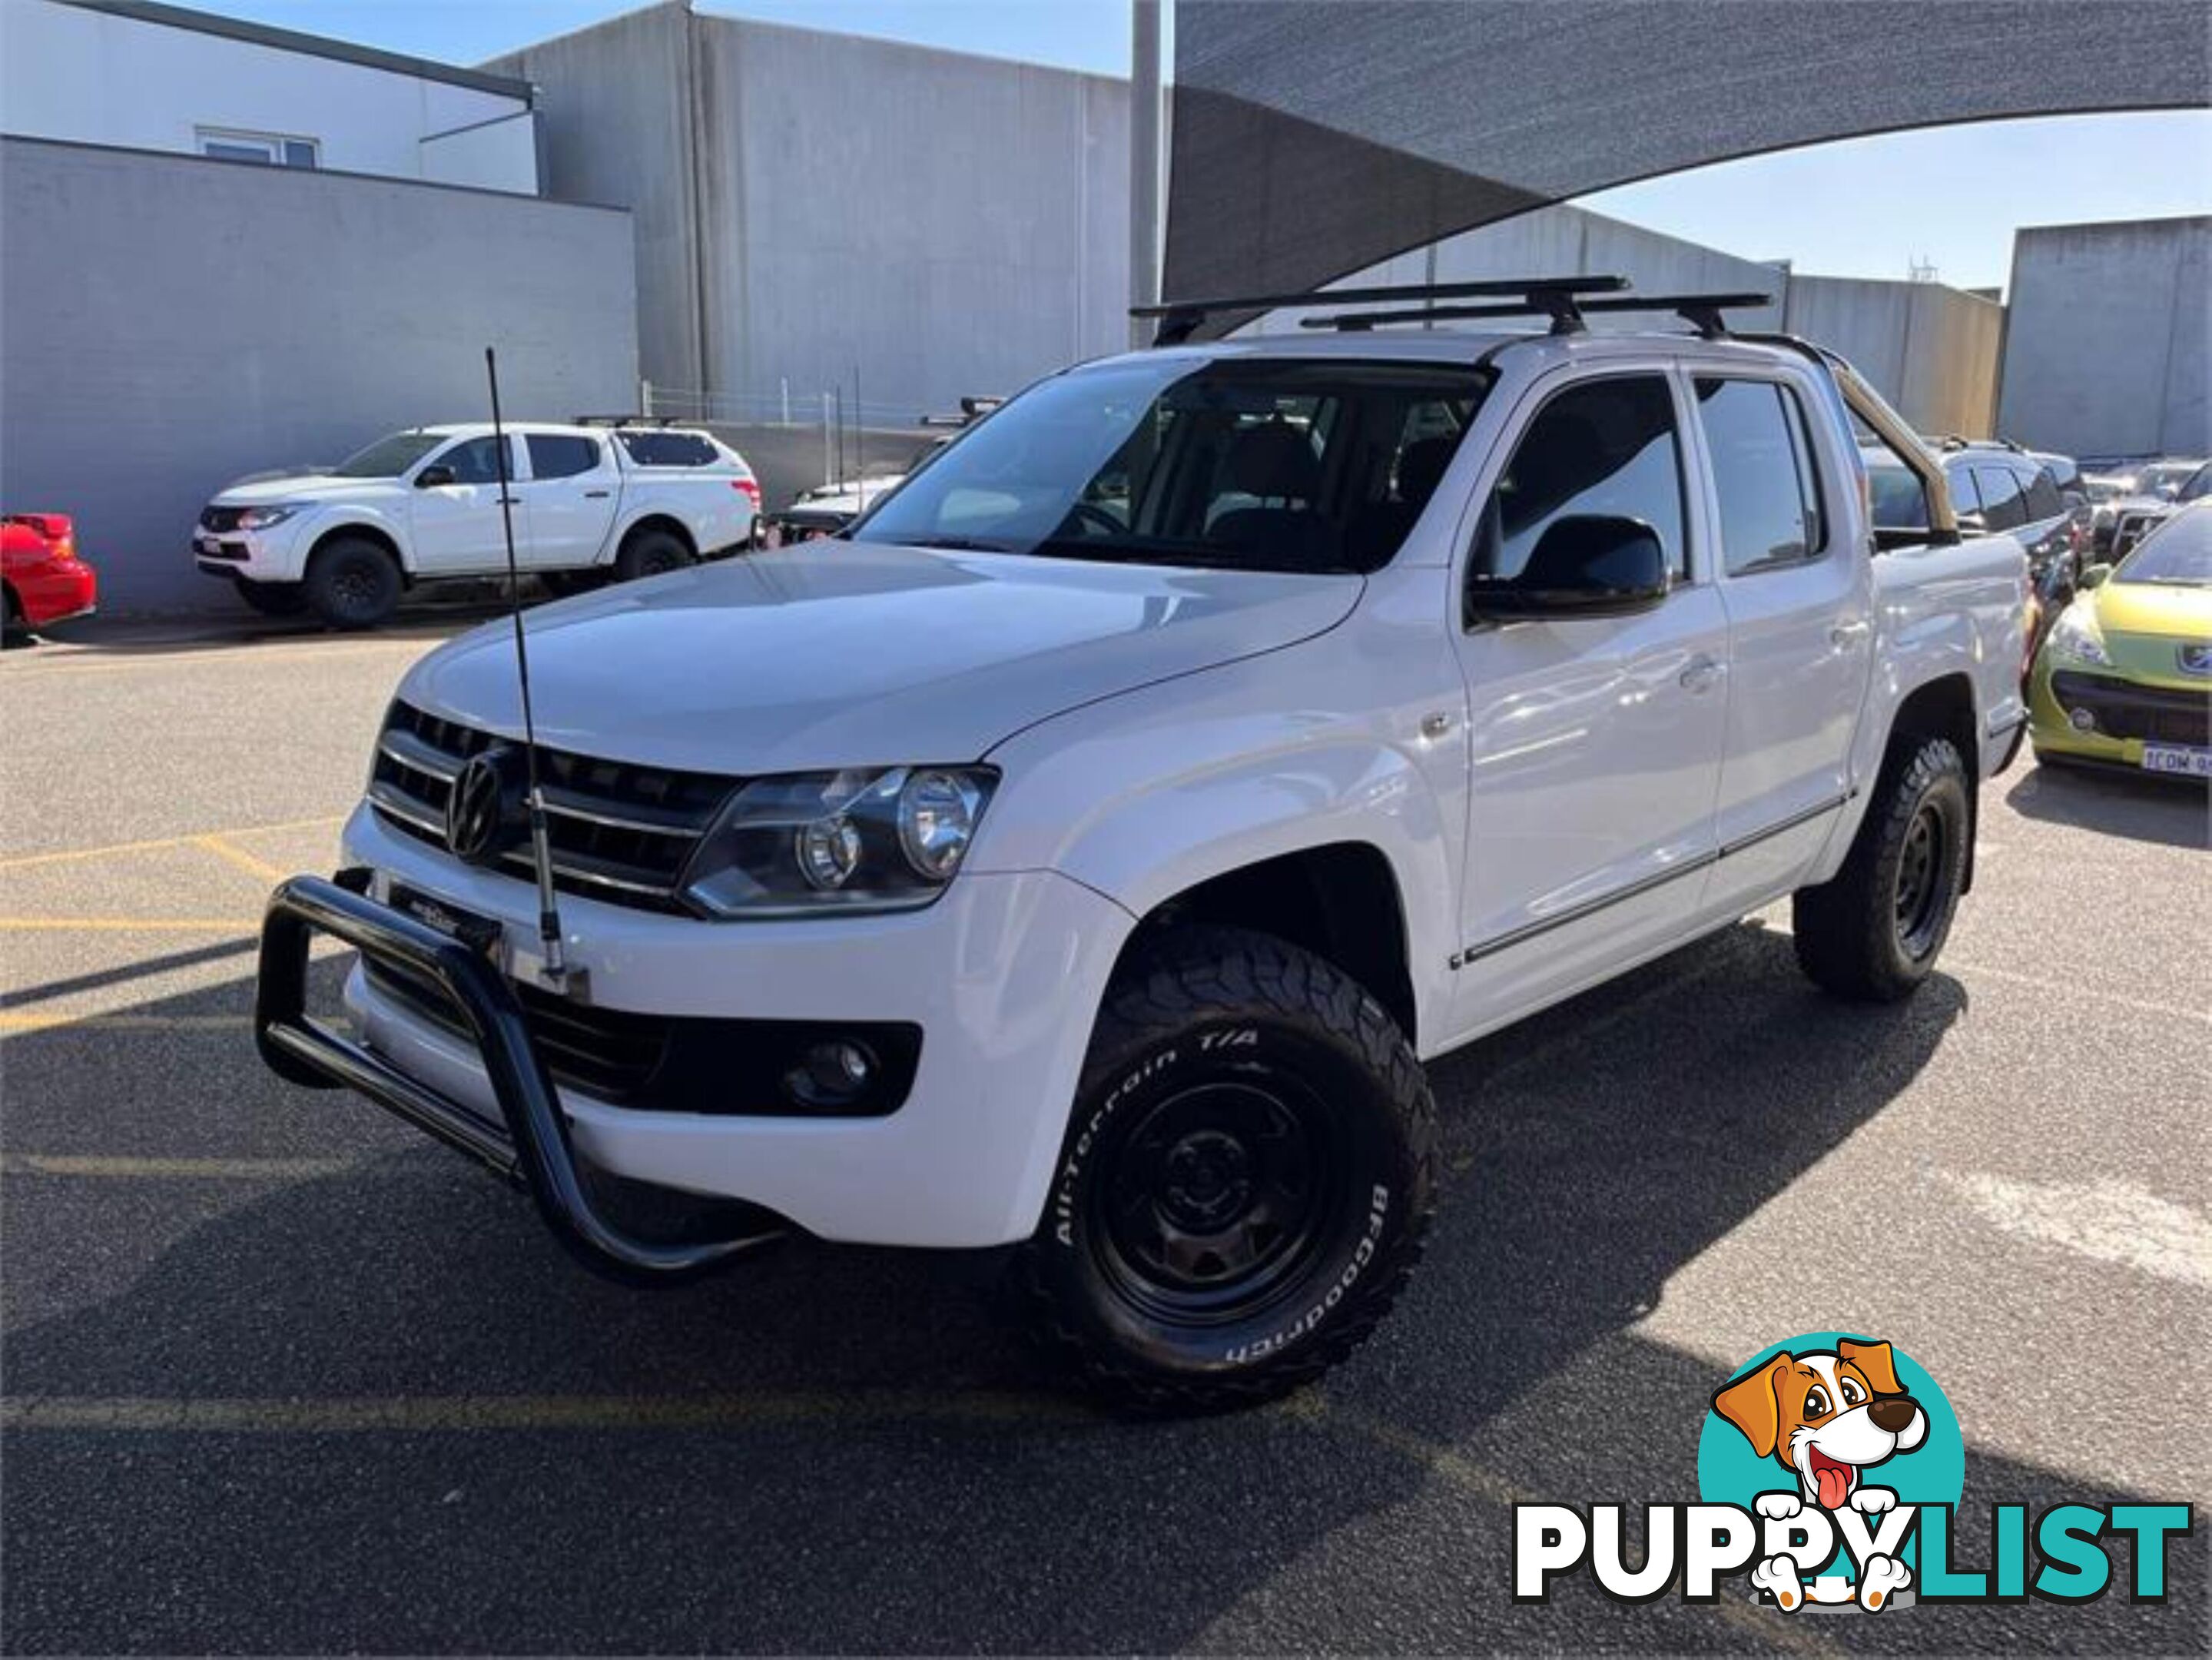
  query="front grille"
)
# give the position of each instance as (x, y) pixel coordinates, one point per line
(2123, 710)
(685, 1063)
(218, 519)
(619, 832)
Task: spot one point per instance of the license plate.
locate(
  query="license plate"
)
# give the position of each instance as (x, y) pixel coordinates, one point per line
(481, 934)
(2175, 758)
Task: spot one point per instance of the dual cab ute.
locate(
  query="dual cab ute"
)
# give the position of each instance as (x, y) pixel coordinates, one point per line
(1085, 852)
(588, 503)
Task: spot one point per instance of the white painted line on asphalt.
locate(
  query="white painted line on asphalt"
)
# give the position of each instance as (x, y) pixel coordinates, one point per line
(2108, 1220)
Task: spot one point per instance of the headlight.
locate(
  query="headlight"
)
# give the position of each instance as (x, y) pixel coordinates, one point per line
(861, 840)
(2074, 639)
(263, 518)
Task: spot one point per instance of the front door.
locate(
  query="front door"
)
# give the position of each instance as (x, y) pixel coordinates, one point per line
(456, 522)
(1801, 628)
(1595, 743)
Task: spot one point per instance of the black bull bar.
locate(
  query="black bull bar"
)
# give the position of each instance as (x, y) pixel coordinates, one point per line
(532, 1149)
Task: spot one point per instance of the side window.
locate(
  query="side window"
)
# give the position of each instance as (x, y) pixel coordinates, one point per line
(561, 455)
(2003, 505)
(1606, 448)
(474, 461)
(2043, 498)
(650, 447)
(1764, 478)
(1966, 500)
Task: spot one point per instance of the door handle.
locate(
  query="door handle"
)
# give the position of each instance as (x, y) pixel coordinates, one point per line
(1699, 674)
(597, 496)
(510, 502)
(1843, 633)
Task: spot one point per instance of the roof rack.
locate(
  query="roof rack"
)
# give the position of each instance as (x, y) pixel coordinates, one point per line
(629, 420)
(1553, 296)
(1701, 311)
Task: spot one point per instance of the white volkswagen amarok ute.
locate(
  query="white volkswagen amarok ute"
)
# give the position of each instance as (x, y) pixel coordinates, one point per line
(1084, 851)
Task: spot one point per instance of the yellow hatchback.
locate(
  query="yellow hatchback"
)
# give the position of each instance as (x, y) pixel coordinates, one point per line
(2125, 675)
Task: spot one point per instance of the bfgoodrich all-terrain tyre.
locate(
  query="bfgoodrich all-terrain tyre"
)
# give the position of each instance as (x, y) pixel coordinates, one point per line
(352, 583)
(1872, 933)
(1246, 1179)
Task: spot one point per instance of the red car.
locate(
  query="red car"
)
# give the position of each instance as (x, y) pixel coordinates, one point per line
(44, 580)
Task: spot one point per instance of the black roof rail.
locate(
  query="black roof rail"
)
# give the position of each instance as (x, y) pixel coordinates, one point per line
(629, 420)
(1555, 296)
(1701, 311)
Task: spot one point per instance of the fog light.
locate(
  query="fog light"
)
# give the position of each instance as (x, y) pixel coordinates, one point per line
(832, 1075)
(2081, 720)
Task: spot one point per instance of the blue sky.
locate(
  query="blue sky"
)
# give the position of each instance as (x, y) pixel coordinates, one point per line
(1866, 207)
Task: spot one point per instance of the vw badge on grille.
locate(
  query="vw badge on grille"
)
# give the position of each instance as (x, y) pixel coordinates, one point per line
(2196, 657)
(482, 808)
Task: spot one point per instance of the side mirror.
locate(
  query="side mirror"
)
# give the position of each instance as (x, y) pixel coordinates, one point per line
(1585, 565)
(2094, 577)
(431, 477)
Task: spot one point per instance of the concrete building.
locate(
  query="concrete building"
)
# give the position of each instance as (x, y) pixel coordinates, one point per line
(811, 204)
(159, 77)
(2106, 348)
(174, 323)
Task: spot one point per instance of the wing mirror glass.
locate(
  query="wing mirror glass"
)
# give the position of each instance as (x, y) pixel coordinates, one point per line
(1583, 565)
(433, 475)
(2094, 577)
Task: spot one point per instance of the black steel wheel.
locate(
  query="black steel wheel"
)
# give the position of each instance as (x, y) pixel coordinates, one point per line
(1246, 1177)
(352, 583)
(1873, 931)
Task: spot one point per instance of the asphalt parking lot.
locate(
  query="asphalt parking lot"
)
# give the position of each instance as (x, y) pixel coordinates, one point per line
(281, 1376)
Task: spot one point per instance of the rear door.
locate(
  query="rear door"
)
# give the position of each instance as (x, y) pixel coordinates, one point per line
(1799, 598)
(573, 492)
(455, 526)
(1594, 743)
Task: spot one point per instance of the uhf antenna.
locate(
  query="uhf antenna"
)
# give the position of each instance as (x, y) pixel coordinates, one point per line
(541, 850)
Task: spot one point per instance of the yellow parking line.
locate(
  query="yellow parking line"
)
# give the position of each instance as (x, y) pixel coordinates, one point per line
(25, 861)
(12, 1024)
(258, 868)
(446, 1413)
(165, 1169)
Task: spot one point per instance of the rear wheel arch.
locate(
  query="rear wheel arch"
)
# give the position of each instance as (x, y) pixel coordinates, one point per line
(666, 524)
(1942, 707)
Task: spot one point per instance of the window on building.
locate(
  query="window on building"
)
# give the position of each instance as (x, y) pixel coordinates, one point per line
(265, 149)
(1763, 474)
(1605, 447)
(561, 455)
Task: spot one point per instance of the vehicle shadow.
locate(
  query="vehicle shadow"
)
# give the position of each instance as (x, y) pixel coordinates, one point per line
(2170, 812)
(875, 1460)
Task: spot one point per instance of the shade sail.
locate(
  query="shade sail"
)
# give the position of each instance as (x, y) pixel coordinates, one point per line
(1313, 138)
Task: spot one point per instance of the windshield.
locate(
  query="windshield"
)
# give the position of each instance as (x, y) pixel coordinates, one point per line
(1242, 464)
(2178, 553)
(2199, 485)
(387, 457)
(2151, 480)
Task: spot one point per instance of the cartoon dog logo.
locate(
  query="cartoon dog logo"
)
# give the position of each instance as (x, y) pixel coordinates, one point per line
(1826, 1416)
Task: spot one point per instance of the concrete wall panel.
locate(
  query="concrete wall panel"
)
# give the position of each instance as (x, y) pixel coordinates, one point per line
(2106, 349)
(170, 323)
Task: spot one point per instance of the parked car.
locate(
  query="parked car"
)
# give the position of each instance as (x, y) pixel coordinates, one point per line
(1995, 489)
(1083, 854)
(42, 581)
(828, 508)
(587, 501)
(2136, 518)
(2124, 678)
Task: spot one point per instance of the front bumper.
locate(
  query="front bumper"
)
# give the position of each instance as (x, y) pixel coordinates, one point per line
(57, 592)
(274, 555)
(1002, 976)
(2171, 715)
